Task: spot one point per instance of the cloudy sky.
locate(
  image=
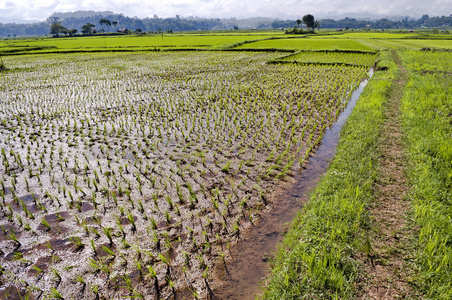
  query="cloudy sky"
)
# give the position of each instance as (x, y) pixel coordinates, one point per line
(41, 9)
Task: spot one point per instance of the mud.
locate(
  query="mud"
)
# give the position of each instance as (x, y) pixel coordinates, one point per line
(244, 272)
(105, 177)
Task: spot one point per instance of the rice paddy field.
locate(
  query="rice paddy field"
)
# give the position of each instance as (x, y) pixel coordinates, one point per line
(131, 175)
(308, 44)
(126, 43)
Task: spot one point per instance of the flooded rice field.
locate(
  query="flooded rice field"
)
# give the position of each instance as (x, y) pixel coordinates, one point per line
(134, 175)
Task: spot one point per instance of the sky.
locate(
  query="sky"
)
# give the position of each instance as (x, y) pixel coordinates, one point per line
(32, 10)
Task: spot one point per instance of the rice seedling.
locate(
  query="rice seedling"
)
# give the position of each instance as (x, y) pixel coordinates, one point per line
(46, 224)
(321, 259)
(166, 148)
(55, 294)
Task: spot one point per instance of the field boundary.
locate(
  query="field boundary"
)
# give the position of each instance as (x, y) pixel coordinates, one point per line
(387, 265)
(317, 258)
(118, 50)
(276, 62)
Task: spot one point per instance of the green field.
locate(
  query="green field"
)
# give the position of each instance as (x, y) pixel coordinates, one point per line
(132, 174)
(427, 115)
(319, 57)
(135, 43)
(308, 44)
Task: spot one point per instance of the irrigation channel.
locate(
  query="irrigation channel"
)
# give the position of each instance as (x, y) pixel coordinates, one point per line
(247, 267)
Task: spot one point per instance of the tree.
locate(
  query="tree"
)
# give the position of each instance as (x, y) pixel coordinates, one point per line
(316, 25)
(298, 22)
(114, 24)
(108, 23)
(309, 21)
(88, 28)
(102, 23)
(55, 26)
(72, 32)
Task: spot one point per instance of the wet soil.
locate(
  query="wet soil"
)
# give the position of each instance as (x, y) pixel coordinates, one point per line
(242, 275)
(130, 173)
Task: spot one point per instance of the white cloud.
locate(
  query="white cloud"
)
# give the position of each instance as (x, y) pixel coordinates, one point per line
(41, 9)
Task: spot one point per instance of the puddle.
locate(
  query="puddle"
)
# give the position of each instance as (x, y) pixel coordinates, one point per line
(29, 198)
(86, 207)
(165, 224)
(5, 230)
(241, 277)
(94, 219)
(41, 265)
(54, 230)
(11, 292)
(101, 252)
(29, 201)
(57, 217)
(7, 191)
(125, 220)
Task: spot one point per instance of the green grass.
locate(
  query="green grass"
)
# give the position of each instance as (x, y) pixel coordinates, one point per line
(423, 61)
(427, 112)
(304, 43)
(316, 259)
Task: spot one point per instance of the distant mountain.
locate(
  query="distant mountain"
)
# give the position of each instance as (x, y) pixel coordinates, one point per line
(76, 19)
(362, 16)
(80, 14)
(17, 21)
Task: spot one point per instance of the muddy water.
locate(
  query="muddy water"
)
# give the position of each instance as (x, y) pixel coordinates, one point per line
(241, 277)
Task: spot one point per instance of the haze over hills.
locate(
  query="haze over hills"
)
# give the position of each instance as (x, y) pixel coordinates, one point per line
(75, 21)
(91, 13)
(282, 9)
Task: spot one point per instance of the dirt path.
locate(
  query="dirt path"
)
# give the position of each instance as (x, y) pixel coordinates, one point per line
(387, 262)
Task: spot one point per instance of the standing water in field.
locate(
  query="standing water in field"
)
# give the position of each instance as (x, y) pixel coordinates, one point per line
(248, 266)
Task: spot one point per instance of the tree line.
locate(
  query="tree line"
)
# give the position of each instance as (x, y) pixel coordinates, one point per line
(384, 23)
(113, 22)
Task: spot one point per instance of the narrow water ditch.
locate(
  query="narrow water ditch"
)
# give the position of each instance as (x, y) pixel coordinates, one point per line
(241, 276)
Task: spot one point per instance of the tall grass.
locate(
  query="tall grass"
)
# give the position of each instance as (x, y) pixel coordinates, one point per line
(427, 120)
(317, 257)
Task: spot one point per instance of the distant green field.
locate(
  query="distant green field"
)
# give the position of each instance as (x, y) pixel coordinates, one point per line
(308, 44)
(132, 42)
(425, 43)
(428, 61)
(369, 35)
(361, 41)
(358, 59)
(406, 44)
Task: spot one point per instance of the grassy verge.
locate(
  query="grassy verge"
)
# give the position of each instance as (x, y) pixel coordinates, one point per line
(427, 119)
(317, 257)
